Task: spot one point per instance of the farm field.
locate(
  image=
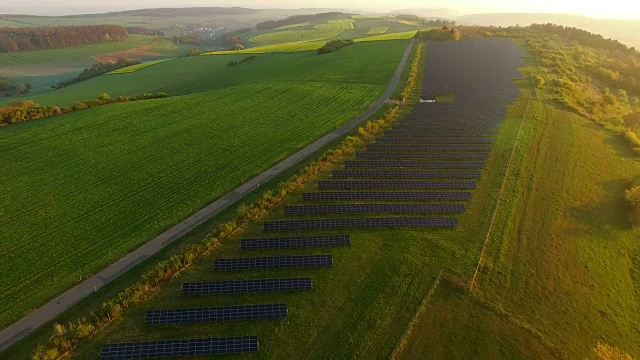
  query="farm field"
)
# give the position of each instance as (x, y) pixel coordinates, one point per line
(110, 210)
(378, 30)
(391, 36)
(45, 67)
(122, 136)
(279, 37)
(204, 73)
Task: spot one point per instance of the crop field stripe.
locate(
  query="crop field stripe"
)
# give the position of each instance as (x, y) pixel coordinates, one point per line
(378, 30)
(134, 68)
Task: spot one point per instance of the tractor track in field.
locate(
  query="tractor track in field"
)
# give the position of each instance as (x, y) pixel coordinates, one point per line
(49, 311)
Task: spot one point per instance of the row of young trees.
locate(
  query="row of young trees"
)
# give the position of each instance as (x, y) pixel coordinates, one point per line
(442, 34)
(245, 59)
(27, 110)
(334, 45)
(27, 39)
(64, 338)
(95, 70)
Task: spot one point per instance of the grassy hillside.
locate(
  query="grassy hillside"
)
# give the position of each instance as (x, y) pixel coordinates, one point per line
(186, 150)
(356, 63)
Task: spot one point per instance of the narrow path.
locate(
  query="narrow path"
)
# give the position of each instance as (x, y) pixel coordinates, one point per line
(57, 306)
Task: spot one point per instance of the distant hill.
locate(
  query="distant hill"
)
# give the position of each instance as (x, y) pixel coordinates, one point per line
(626, 31)
(193, 11)
(428, 13)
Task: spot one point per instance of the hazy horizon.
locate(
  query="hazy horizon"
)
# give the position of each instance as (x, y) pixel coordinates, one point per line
(610, 10)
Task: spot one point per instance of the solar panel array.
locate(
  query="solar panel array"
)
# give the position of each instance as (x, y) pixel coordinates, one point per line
(179, 348)
(429, 147)
(305, 210)
(295, 242)
(328, 224)
(413, 164)
(406, 174)
(424, 155)
(246, 286)
(394, 184)
(272, 262)
(387, 196)
(441, 132)
(217, 314)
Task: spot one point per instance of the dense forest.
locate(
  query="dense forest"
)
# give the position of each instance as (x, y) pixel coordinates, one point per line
(297, 19)
(27, 39)
(423, 21)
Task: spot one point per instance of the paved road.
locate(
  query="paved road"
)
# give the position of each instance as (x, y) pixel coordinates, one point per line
(58, 305)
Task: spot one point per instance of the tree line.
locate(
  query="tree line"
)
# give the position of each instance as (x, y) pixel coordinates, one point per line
(28, 39)
(7, 88)
(334, 45)
(423, 21)
(441, 34)
(233, 63)
(95, 70)
(27, 110)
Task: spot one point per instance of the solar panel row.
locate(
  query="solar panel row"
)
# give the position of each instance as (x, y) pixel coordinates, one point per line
(449, 155)
(414, 164)
(272, 262)
(434, 140)
(406, 174)
(179, 348)
(428, 147)
(387, 196)
(246, 286)
(295, 242)
(216, 314)
(374, 208)
(394, 184)
(329, 224)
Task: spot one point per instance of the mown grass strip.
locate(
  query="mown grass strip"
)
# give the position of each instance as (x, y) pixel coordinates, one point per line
(378, 30)
(134, 68)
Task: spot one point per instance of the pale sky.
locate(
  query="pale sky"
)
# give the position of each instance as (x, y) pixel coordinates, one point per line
(619, 9)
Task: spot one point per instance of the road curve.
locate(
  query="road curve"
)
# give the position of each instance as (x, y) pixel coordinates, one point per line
(57, 306)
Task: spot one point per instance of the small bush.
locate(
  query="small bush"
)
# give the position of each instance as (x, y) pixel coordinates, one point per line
(233, 63)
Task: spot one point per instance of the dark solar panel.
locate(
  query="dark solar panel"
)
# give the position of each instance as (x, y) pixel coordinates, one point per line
(273, 262)
(246, 286)
(406, 174)
(179, 348)
(329, 224)
(450, 155)
(387, 196)
(429, 147)
(433, 140)
(395, 184)
(440, 132)
(413, 164)
(304, 210)
(216, 314)
(295, 242)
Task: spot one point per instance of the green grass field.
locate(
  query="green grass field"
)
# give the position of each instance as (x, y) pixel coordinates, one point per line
(385, 37)
(84, 207)
(134, 68)
(378, 30)
(336, 25)
(204, 73)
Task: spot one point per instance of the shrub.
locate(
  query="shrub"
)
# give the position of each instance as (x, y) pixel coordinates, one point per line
(334, 45)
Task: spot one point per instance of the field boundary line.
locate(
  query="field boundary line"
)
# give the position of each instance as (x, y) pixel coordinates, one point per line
(53, 308)
(495, 211)
(409, 330)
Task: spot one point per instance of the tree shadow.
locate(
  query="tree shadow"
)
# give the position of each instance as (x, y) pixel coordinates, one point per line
(607, 214)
